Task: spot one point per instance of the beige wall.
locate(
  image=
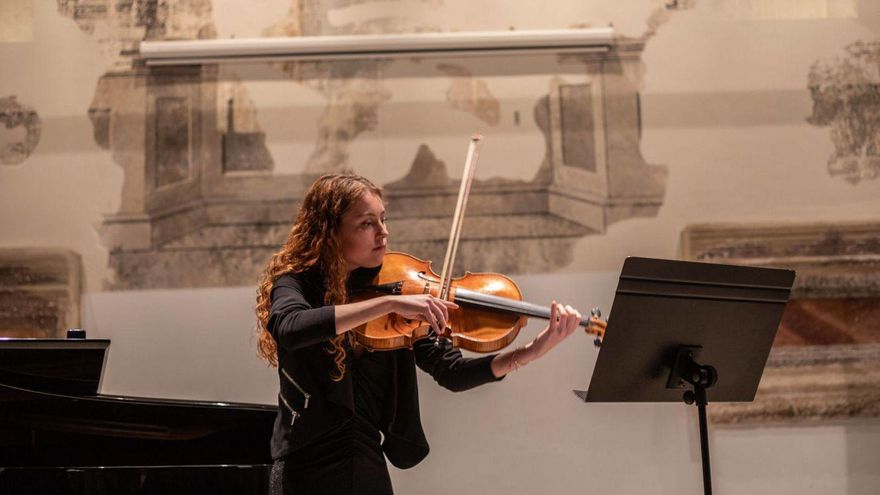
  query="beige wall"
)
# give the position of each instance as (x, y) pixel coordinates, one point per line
(58, 195)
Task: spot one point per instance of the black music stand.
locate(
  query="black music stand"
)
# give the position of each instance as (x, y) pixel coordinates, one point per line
(676, 324)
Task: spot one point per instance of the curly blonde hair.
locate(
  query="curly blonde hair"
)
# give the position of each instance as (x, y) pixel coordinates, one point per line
(314, 242)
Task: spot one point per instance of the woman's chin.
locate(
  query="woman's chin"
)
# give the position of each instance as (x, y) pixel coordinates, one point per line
(379, 254)
(375, 260)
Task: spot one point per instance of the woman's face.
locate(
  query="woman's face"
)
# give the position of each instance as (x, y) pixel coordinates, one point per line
(363, 233)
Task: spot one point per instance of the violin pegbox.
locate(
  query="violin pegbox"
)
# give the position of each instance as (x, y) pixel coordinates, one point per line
(596, 314)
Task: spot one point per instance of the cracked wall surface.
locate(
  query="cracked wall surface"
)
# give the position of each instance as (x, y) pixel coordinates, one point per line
(470, 94)
(20, 132)
(39, 292)
(827, 340)
(846, 98)
(193, 145)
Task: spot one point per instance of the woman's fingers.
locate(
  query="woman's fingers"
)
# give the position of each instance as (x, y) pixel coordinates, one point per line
(445, 306)
(440, 313)
(442, 310)
(432, 310)
(437, 312)
(573, 318)
(554, 314)
(564, 317)
(568, 319)
(575, 321)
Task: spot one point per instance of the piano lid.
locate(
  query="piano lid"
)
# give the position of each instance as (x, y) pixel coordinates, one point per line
(72, 366)
(51, 415)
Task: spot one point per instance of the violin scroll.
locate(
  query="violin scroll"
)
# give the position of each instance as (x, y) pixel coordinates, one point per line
(596, 326)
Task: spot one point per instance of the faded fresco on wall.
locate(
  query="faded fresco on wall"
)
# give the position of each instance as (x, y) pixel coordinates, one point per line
(204, 205)
(20, 132)
(825, 360)
(243, 139)
(216, 158)
(846, 98)
(39, 292)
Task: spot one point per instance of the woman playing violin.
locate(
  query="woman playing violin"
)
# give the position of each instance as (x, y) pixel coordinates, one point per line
(342, 408)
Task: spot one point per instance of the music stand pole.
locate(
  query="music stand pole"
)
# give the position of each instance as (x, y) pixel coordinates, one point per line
(704, 439)
(686, 369)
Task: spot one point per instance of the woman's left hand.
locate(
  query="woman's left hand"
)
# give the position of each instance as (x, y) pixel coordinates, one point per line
(564, 320)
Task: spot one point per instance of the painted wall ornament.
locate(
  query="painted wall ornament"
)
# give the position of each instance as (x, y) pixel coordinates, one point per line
(825, 361)
(846, 97)
(14, 115)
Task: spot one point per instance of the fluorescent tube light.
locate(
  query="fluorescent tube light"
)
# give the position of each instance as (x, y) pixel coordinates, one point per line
(374, 46)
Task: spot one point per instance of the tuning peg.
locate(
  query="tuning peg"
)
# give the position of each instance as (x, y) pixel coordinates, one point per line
(596, 312)
(597, 342)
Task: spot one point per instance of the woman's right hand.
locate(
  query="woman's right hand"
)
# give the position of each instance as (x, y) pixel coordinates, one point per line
(424, 307)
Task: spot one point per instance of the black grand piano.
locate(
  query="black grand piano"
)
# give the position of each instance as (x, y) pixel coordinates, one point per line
(58, 435)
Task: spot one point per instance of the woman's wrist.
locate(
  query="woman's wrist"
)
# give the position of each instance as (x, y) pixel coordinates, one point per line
(389, 304)
(517, 363)
(526, 354)
(514, 360)
(352, 315)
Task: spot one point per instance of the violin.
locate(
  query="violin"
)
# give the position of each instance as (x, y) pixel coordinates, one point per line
(490, 315)
(491, 310)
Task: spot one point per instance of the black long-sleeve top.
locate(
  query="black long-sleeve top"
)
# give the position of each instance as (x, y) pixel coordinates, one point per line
(311, 403)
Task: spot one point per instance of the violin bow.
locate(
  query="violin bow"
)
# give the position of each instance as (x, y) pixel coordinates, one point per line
(464, 190)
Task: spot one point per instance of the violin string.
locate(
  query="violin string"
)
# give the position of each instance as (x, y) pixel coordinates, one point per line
(505, 304)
